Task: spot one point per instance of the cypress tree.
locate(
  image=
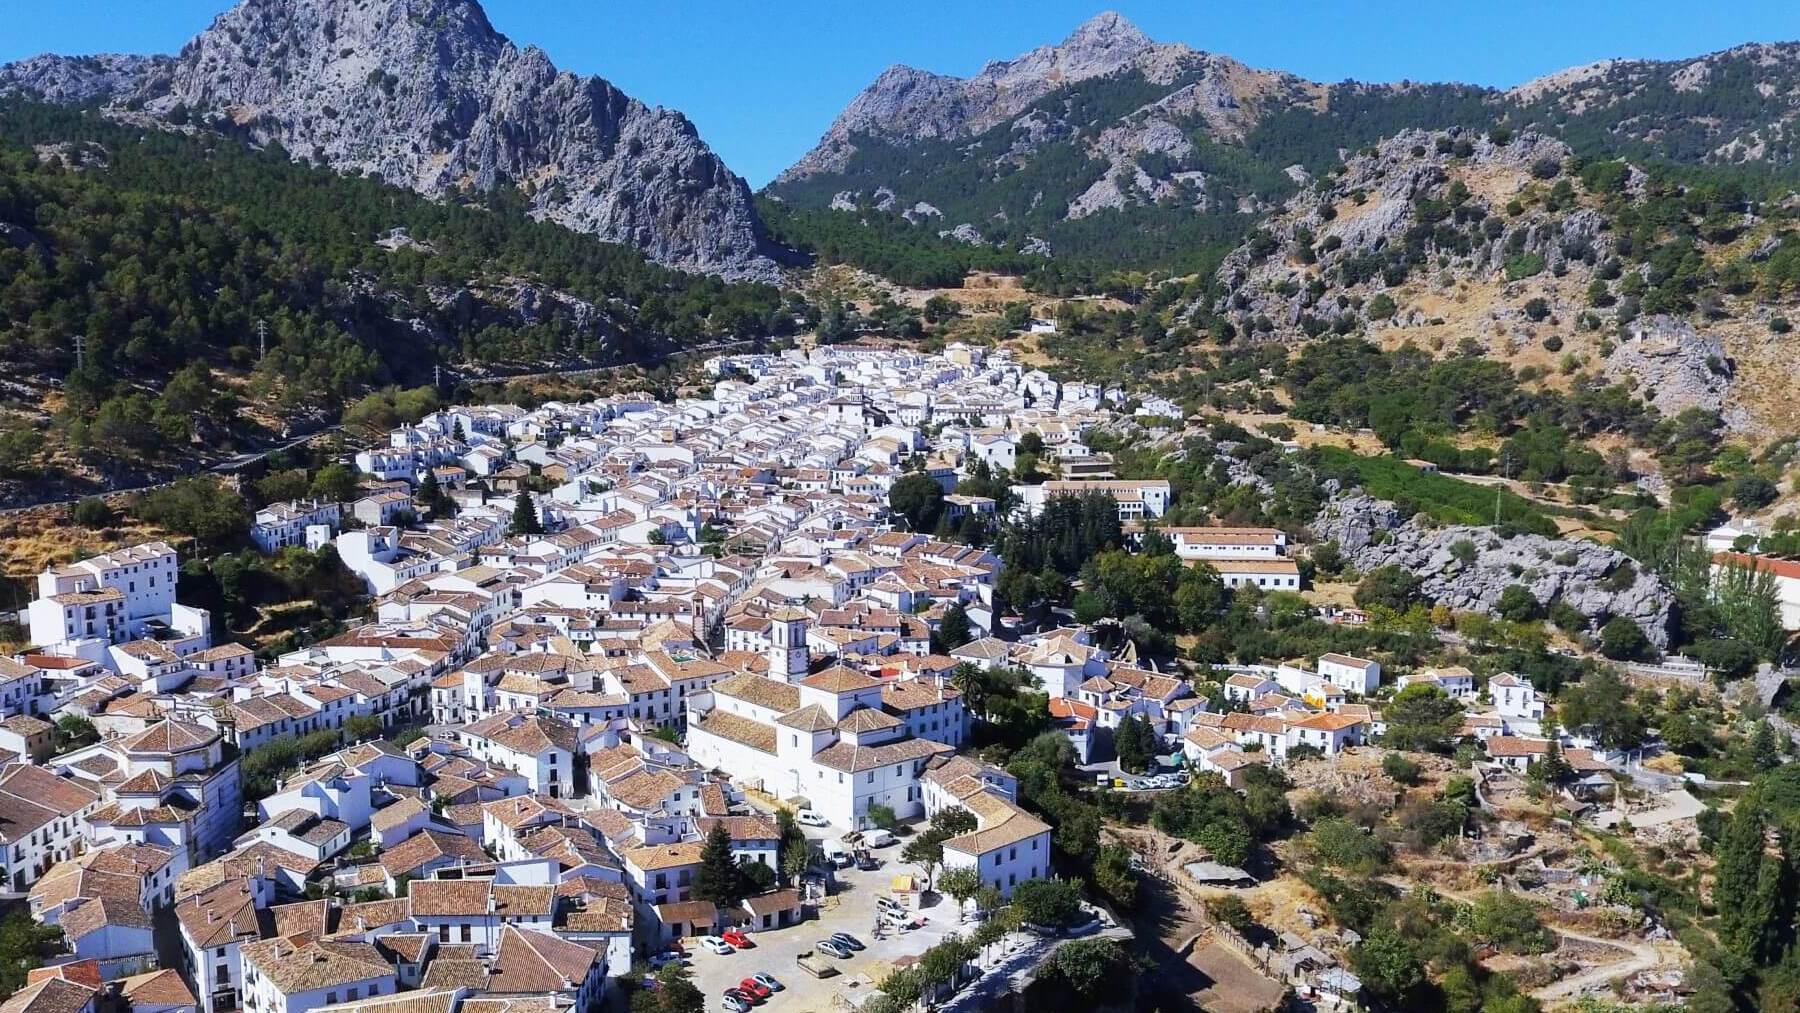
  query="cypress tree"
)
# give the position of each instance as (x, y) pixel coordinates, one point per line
(1739, 884)
(718, 879)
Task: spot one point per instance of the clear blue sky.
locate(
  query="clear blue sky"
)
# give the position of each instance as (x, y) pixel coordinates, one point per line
(763, 78)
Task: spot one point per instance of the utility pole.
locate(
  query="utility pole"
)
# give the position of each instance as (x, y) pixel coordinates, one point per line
(1500, 488)
(80, 350)
(262, 338)
(437, 377)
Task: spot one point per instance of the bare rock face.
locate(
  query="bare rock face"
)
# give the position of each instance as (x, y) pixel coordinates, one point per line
(427, 95)
(1596, 581)
(905, 103)
(77, 80)
(1676, 368)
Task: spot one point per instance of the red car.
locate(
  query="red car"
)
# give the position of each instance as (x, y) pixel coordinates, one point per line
(736, 938)
(755, 988)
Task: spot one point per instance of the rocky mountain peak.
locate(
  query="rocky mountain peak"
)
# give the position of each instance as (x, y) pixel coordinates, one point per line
(1108, 33)
(428, 95)
(905, 104)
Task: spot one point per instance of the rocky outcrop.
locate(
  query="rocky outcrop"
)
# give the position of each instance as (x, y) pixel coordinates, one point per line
(77, 80)
(908, 104)
(1676, 368)
(427, 95)
(1596, 581)
(1293, 286)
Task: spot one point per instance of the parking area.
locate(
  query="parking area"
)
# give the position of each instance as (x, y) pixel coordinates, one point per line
(1116, 779)
(850, 908)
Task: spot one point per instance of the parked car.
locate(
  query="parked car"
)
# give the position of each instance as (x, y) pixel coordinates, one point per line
(755, 988)
(768, 981)
(809, 818)
(835, 949)
(737, 938)
(665, 958)
(743, 995)
(867, 862)
(846, 939)
(716, 945)
(878, 838)
(733, 1004)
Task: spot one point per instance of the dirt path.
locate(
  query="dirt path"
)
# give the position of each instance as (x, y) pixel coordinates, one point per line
(1644, 956)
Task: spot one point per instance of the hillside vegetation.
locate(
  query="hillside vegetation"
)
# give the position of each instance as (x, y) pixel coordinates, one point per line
(164, 250)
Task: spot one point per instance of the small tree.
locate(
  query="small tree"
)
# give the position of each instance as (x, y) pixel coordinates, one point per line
(925, 851)
(1401, 769)
(961, 885)
(525, 520)
(1622, 639)
(883, 816)
(93, 513)
(1051, 902)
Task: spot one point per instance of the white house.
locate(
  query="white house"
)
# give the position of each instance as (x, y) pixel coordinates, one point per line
(1354, 675)
(1514, 698)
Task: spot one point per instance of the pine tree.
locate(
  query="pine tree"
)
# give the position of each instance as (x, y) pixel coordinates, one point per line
(1765, 749)
(718, 879)
(525, 516)
(953, 630)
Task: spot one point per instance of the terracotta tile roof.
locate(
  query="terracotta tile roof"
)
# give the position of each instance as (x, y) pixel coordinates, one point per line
(664, 856)
(739, 729)
(855, 759)
(764, 692)
(529, 962)
(297, 964)
(412, 854)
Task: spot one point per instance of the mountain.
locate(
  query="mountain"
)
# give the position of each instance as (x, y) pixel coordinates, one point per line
(1740, 106)
(1022, 152)
(281, 291)
(77, 80)
(427, 95)
(1116, 149)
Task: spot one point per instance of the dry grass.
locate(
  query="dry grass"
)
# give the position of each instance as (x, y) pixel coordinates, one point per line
(33, 539)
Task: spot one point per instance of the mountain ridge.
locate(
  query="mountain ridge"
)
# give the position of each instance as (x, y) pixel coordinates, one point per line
(428, 95)
(1163, 131)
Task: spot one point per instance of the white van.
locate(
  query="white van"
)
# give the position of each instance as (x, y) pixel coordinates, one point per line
(835, 853)
(877, 838)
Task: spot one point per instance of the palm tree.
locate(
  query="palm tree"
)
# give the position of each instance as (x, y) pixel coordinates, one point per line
(973, 683)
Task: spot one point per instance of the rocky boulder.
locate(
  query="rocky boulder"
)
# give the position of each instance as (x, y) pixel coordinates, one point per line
(1596, 581)
(1675, 367)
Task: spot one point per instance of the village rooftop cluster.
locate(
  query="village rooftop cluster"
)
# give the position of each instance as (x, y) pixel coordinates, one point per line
(720, 619)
